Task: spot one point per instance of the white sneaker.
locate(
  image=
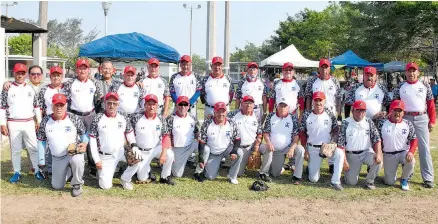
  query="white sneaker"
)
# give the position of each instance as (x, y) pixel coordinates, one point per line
(282, 170)
(234, 181)
(127, 185)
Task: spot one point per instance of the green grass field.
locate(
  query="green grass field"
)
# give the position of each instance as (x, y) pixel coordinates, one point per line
(220, 189)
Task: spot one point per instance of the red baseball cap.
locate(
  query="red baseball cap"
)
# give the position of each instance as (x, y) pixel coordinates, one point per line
(359, 105)
(20, 67)
(318, 95)
(151, 97)
(56, 69)
(182, 99)
(153, 61)
(411, 65)
(82, 61)
(185, 58)
(112, 94)
(217, 60)
(248, 97)
(397, 104)
(370, 69)
(252, 64)
(324, 61)
(287, 65)
(59, 98)
(130, 68)
(220, 105)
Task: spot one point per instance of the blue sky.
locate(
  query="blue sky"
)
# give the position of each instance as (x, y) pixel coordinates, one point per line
(169, 21)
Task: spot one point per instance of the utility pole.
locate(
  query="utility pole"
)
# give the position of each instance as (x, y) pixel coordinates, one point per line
(43, 24)
(227, 39)
(211, 32)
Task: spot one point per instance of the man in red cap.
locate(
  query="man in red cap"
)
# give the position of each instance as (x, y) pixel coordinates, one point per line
(372, 93)
(130, 95)
(399, 145)
(317, 127)
(360, 140)
(110, 129)
(157, 85)
(84, 97)
(220, 138)
(327, 84)
(216, 87)
(184, 130)
(287, 88)
(184, 83)
(250, 132)
(153, 141)
(19, 105)
(254, 87)
(57, 132)
(420, 111)
(36, 75)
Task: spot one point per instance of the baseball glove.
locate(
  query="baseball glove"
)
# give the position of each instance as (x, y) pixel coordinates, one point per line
(130, 156)
(327, 150)
(254, 161)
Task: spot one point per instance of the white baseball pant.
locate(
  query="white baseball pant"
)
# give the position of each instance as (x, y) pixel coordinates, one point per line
(19, 133)
(62, 165)
(315, 164)
(109, 164)
(273, 161)
(390, 165)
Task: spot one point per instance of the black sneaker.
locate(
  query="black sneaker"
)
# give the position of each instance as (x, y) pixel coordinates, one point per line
(167, 180)
(331, 169)
(265, 178)
(428, 184)
(295, 180)
(152, 177)
(199, 177)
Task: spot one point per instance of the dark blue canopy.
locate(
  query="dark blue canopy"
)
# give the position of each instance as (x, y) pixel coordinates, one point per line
(128, 47)
(350, 59)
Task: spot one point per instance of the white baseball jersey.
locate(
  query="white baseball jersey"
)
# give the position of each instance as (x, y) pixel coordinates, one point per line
(375, 97)
(148, 132)
(248, 126)
(396, 136)
(60, 133)
(82, 96)
(130, 97)
(318, 127)
(182, 129)
(329, 87)
(45, 97)
(19, 103)
(414, 95)
(281, 130)
(256, 89)
(184, 85)
(289, 90)
(358, 136)
(217, 89)
(219, 137)
(157, 86)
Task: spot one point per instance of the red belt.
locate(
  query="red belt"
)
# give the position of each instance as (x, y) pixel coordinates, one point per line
(415, 113)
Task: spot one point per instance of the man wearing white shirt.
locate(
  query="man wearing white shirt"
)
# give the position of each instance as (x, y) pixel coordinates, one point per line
(399, 145)
(420, 111)
(107, 138)
(361, 141)
(19, 105)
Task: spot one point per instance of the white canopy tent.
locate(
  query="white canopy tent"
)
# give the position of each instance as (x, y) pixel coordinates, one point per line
(289, 54)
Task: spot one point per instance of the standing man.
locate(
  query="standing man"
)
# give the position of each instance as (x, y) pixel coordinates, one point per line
(57, 132)
(434, 88)
(184, 83)
(361, 141)
(317, 127)
(219, 138)
(107, 139)
(374, 94)
(281, 135)
(184, 132)
(351, 82)
(83, 97)
(399, 145)
(153, 141)
(420, 111)
(19, 105)
(155, 84)
(106, 79)
(254, 87)
(216, 87)
(250, 132)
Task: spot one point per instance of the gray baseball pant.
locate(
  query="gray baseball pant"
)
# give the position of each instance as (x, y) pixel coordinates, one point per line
(390, 165)
(355, 161)
(315, 161)
(214, 162)
(62, 164)
(181, 156)
(422, 131)
(273, 161)
(244, 154)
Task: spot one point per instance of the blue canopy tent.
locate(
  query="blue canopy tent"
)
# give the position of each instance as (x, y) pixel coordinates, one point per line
(350, 59)
(394, 66)
(128, 47)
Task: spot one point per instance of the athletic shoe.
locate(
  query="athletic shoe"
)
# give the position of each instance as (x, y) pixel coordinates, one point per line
(404, 184)
(282, 170)
(295, 180)
(428, 184)
(337, 187)
(126, 185)
(15, 178)
(39, 176)
(371, 186)
(233, 181)
(199, 177)
(152, 178)
(168, 180)
(77, 190)
(265, 178)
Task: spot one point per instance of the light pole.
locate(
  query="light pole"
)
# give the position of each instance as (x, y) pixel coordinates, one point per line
(7, 5)
(106, 6)
(191, 18)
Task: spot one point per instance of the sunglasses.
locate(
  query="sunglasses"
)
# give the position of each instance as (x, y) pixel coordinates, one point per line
(35, 74)
(183, 105)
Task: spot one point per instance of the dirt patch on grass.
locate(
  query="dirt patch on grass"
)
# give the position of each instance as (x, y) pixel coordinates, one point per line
(103, 209)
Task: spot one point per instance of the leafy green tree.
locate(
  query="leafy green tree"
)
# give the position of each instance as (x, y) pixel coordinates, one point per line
(198, 64)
